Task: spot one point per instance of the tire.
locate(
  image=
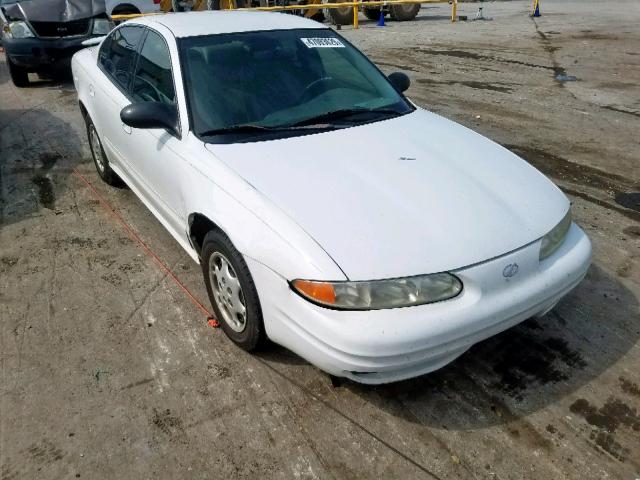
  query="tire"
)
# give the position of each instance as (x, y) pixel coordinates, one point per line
(404, 12)
(341, 16)
(230, 290)
(372, 13)
(99, 157)
(318, 17)
(124, 11)
(176, 7)
(19, 75)
(183, 5)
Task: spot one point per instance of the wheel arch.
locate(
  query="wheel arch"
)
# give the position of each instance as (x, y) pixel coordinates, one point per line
(83, 110)
(124, 8)
(199, 226)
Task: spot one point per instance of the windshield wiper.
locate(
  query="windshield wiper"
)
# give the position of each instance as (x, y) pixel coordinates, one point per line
(311, 123)
(251, 128)
(343, 113)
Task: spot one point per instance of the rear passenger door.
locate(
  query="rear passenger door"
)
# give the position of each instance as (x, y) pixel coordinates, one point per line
(116, 58)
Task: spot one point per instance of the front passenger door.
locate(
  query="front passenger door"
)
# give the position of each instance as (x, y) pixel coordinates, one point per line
(153, 153)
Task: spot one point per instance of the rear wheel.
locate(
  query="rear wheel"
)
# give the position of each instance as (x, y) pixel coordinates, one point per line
(404, 12)
(232, 292)
(124, 10)
(19, 75)
(99, 158)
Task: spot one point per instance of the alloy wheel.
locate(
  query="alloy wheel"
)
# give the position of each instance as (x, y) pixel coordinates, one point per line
(96, 149)
(227, 292)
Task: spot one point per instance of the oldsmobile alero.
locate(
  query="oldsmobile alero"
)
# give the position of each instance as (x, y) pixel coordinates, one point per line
(330, 214)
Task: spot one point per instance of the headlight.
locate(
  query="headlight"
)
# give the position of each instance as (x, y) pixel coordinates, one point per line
(379, 294)
(18, 30)
(552, 240)
(101, 26)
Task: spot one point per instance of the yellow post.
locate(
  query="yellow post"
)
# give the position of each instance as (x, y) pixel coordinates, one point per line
(454, 10)
(355, 16)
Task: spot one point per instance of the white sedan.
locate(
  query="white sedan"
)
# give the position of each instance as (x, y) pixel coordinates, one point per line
(375, 239)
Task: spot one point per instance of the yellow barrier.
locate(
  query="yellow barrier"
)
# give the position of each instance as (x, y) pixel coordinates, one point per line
(129, 16)
(535, 11)
(353, 4)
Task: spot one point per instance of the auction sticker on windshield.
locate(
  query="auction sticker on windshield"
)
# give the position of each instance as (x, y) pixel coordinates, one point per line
(325, 42)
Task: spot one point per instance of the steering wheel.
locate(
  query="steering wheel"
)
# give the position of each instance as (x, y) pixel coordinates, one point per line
(147, 96)
(146, 90)
(308, 91)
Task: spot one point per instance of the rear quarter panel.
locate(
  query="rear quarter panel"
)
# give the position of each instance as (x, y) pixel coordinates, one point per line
(85, 72)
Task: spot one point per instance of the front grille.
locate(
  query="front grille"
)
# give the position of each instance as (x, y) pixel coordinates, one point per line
(62, 29)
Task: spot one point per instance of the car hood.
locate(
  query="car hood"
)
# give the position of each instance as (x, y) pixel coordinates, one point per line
(411, 195)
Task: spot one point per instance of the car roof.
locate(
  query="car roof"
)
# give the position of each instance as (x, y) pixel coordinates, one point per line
(193, 24)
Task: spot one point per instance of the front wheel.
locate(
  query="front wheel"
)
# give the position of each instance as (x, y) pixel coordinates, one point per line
(19, 76)
(232, 292)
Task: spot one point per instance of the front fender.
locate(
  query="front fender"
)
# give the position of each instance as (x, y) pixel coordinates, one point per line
(257, 227)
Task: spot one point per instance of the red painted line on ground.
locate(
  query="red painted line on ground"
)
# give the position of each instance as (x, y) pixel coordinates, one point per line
(134, 235)
(214, 323)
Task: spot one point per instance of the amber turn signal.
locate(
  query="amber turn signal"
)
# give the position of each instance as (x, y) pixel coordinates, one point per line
(319, 291)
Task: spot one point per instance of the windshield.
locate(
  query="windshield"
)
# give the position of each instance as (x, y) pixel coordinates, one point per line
(246, 85)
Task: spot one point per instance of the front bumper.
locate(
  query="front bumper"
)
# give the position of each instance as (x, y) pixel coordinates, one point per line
(389, 345)
(42, 53)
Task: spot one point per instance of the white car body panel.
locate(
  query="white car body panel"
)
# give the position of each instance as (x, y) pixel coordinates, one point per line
(344, 205)
(208, 187)
(458, 199)
(389, 345)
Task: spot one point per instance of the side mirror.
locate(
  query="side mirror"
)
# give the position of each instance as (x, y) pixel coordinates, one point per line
(151, 115)
(399, 80)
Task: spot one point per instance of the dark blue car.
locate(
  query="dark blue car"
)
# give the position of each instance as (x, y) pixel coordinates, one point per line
(40, 35)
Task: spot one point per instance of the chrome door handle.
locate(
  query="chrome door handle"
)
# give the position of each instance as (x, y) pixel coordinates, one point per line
(92, 92)
(127, 129)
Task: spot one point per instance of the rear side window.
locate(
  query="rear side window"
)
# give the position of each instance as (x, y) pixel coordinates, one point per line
(118, 53)
(153, 81)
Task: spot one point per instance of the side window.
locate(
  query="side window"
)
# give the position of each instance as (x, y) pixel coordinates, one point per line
(118, 53)
(105, 50)
(154, 81)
